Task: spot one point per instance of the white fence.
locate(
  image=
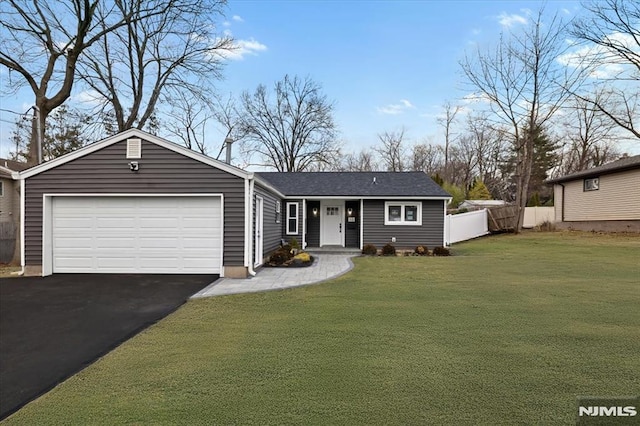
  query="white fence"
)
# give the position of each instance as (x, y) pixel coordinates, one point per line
(465, 226)
(534, 216)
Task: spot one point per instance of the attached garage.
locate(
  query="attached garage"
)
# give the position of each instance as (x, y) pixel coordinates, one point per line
(135, 234)
(135, 203)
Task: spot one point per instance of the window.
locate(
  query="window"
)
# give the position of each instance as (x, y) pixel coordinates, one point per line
(1, 188)
(292, 218)
(592, 184)
(277, 211)
(403, 213)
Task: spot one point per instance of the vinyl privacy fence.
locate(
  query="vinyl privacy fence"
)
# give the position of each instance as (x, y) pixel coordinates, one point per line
(465, 226)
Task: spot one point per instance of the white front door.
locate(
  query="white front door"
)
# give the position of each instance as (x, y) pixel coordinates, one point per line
(331, 223)
(259, 227)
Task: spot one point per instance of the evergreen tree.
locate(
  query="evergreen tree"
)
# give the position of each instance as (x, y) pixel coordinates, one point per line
(479, 191)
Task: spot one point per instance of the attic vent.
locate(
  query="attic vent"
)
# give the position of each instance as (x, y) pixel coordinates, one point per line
(134, 148)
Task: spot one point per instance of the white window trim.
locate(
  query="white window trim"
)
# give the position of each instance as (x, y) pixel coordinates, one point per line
(402, 205)
(289, 217)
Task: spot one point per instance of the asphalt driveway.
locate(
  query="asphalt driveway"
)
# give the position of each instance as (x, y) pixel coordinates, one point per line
(53, 327)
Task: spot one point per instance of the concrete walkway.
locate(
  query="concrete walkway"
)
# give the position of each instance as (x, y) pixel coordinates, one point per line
(325, 267)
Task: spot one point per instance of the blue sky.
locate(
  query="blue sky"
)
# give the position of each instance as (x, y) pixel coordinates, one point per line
(385, 64)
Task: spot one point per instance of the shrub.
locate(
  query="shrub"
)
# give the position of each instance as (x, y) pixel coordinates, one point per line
(286, 247)
(294, 244)
(280, 256)
(422, 251)
(303, 257)
(388, 250)
(441, 251)
(370, 250)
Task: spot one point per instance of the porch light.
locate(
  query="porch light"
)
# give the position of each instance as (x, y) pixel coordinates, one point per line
(315, 211)
(349, 211)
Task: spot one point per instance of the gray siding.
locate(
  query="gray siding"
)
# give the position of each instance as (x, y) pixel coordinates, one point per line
(161, 171)
(430, 233)
(272, 231)
(313, 224)
(352, 229)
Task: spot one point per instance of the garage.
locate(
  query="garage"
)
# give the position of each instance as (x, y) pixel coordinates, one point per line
(134, 234)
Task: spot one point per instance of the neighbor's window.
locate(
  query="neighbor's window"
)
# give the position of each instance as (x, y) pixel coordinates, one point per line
(403, 213)
(592, 184)
(1, 188)
(292, 218)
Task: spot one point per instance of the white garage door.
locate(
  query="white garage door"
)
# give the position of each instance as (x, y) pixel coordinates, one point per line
(136, 234)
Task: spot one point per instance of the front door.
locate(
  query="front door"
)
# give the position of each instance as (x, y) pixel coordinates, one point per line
(259, 227)
(331, 224)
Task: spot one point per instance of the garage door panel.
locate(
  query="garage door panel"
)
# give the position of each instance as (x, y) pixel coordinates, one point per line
(72, 222)
(74, 243)
(137, 234)
(114, 243)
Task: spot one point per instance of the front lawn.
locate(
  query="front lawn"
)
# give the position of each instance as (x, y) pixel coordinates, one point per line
(509, 330)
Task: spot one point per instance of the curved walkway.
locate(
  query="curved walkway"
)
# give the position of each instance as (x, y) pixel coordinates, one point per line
(325, 267)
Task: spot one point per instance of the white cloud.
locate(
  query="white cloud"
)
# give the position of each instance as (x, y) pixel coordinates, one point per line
(242, 48)
(587, 55)
(226, 24)
(90, 97)
(395, 109)
(509, 21)
(237, 18)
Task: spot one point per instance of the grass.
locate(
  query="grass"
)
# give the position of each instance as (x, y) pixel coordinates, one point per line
(510, 330)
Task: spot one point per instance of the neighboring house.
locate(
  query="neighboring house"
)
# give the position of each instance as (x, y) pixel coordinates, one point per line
(136, 203)
(10, 210)
(480, 204)
(605, 198)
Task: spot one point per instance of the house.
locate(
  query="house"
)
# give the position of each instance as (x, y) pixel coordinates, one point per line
(137, 203)
(605, 198)
(10, 210)
(480, 204)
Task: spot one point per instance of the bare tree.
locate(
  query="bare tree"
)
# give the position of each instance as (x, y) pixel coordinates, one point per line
(525, 85)
(292, 131)
(446, 121)
(427, 158)
(42, 41)
(363, 161)
(228, 118)
(613, 32)
(171, 58)
(187, 121)
(589, 133)
(391, 150)
(67, 132)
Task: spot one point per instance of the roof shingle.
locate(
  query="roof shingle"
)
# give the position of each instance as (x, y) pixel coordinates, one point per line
(354, 184)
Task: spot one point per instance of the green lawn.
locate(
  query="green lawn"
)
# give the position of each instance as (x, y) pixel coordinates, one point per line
(509, 330)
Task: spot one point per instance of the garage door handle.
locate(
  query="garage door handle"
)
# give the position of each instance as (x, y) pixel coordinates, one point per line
(340, 228)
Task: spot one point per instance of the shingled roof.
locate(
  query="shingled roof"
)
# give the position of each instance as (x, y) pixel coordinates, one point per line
(354, 184)
(626, 163)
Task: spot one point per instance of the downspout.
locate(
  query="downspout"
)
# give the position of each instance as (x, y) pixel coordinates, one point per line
(562, 203)
(304, 223)
(22, 203)
(252, 234)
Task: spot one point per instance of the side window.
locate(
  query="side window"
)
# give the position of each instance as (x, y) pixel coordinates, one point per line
(292, 218)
